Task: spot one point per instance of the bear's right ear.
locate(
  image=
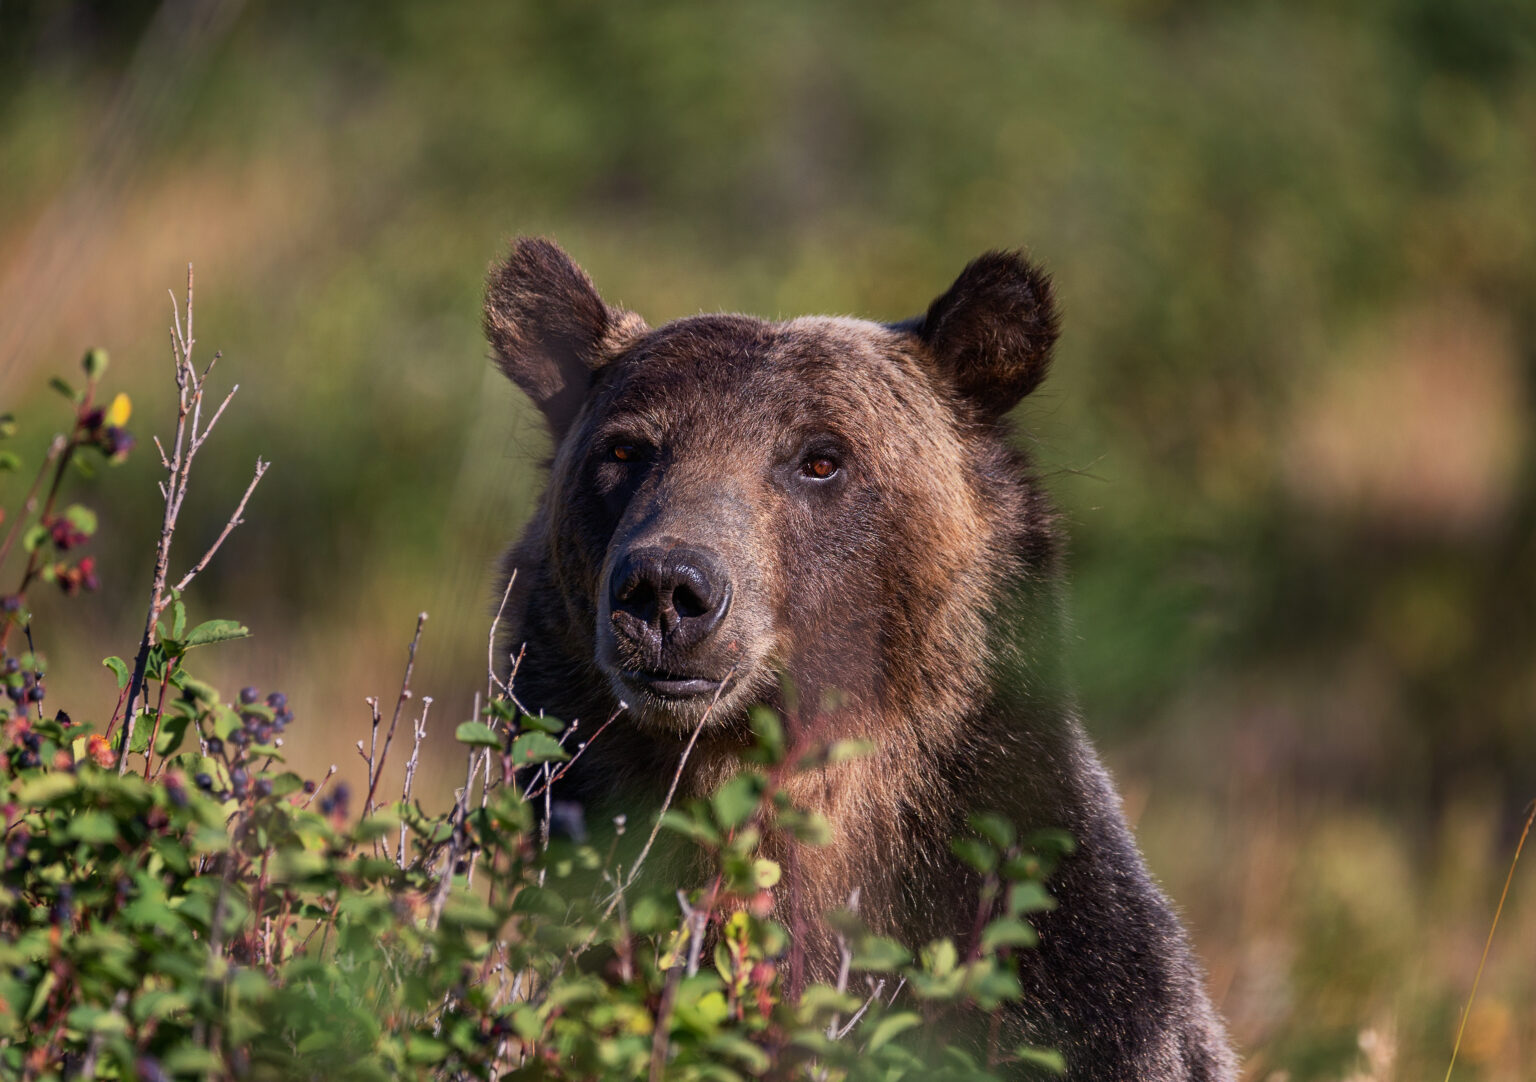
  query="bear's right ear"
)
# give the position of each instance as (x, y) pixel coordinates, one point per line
(550, 329)
(992, 331)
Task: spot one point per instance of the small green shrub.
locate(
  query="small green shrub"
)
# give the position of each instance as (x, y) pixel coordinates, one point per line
(177, 903)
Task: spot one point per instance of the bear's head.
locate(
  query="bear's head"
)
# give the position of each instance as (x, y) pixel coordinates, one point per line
(738, 507)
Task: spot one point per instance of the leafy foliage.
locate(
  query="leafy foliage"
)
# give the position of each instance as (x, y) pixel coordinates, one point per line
(190, 907)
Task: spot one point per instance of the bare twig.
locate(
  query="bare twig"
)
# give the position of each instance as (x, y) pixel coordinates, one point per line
(405, 693)
(460, 814)
(329, 774)
(190, 435)
(847, 1028)
(677, 777)
(844, 964)
(229, 527)
(490, 644)
(418, 734)
(534, 793)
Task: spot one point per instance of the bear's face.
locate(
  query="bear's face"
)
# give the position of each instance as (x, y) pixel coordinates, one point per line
(733, 502)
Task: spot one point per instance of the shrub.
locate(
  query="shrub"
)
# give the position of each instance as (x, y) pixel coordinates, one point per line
(177, 903)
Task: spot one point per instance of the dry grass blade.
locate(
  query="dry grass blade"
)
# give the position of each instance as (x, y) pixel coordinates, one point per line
(1466, 1011)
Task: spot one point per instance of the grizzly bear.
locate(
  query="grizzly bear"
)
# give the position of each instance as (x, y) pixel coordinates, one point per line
(828, 516)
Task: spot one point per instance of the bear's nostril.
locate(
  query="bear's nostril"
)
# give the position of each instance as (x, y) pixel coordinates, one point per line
(682, 594)
(688, 604)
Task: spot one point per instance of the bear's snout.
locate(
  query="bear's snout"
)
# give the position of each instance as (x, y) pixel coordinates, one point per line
(668, 600)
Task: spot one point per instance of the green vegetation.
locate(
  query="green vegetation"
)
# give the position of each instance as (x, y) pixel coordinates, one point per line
(1290, 421)
(176, 903)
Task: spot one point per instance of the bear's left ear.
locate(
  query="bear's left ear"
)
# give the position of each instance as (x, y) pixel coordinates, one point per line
(550, 329)
(992, 331)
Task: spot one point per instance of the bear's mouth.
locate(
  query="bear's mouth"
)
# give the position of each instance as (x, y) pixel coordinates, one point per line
(670, 685)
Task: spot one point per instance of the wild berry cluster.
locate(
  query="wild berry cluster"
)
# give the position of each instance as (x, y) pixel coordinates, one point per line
(257, 733)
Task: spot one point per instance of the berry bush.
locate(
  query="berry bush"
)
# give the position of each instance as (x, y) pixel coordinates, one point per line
(178, 902)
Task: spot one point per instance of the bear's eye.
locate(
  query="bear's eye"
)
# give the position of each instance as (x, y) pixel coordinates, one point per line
(819, 468)
(624, 452)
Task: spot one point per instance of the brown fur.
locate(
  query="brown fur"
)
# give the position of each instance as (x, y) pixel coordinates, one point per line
(911, 599)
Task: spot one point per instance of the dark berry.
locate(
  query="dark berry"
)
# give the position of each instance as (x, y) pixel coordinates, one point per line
(12, 666)
(215, 746)
(36, 693)
(10, 603)
(27, 760)
(149, 1070)
(203, 782)
(310, 787)
(277, 700)
(263, 787)
(263, 734)
(239, 738)
(115, 442)
(239, 778)
(30, 740)
(249, 695)
(15, 692)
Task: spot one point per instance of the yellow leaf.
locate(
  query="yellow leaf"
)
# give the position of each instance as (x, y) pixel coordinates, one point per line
(119, 412)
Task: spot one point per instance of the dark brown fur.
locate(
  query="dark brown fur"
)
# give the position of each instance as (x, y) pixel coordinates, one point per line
(911, 599)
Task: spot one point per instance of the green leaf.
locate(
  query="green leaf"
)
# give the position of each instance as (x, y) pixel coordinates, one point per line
(537, 748)
(891, 1026)
(420, 1048)
(1008, 932)
(36, 534)
(879, 954)
(737, 799)
(95, 363)
(1029, 897)
(63, 387)
(211, 631)
(119, 669)
(97, 1020)
(10, 461)
(1046, 1058)
(997, 829)
(975, 852)
(7, 425)
(46, 789)
(81, 518)
(683, 823)
(96, 827)
(477, 734)
(843, 750)
(769, 731)
(192, 1059)
(542, 722)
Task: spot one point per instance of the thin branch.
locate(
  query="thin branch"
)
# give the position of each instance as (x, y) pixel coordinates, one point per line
(490, 644)
(229, 528)
(199, 438)
(405, 693)
(677, 777)
(873, 995)
(419, 733)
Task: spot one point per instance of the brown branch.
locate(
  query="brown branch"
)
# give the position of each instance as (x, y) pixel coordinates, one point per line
(229, 527)
(376, 772)
(189, 438)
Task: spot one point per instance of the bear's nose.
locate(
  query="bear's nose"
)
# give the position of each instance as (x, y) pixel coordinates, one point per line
(678, 594)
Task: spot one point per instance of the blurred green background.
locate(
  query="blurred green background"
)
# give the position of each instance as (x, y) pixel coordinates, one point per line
(1290, 419)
